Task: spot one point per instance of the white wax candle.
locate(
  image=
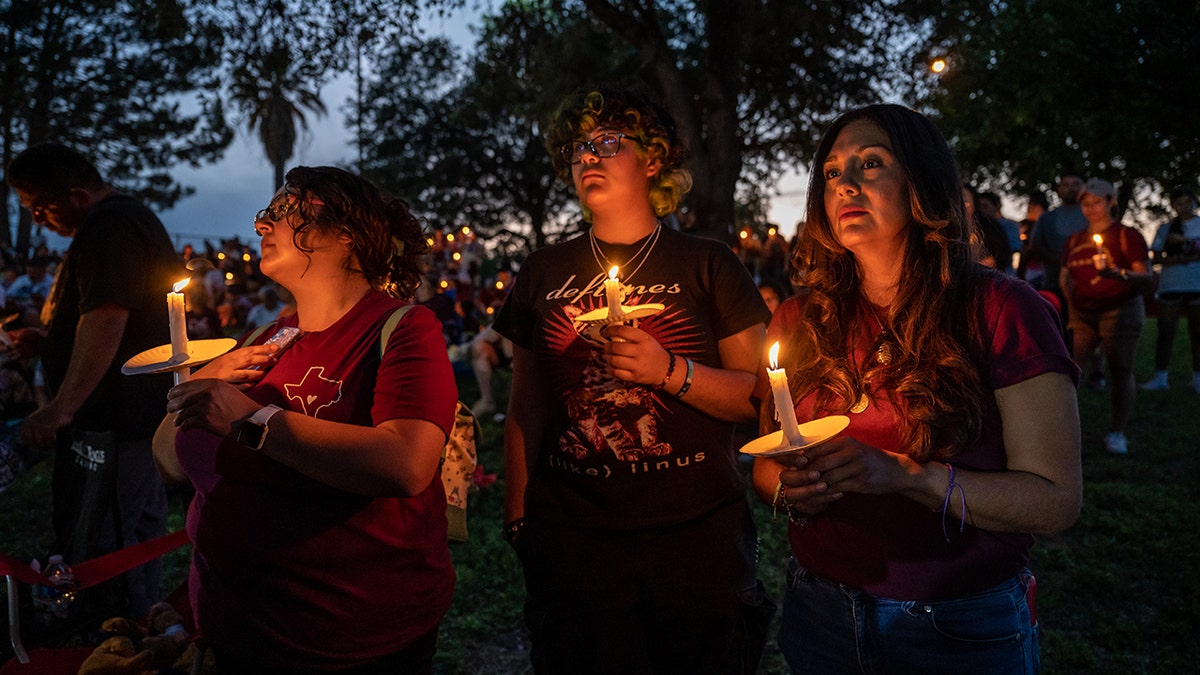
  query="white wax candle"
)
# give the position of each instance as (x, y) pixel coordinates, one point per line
(1100, 260)
(177, 320)
(612, 291)
(783, 399)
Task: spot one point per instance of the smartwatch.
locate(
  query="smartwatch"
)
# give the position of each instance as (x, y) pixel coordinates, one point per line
(253, 432)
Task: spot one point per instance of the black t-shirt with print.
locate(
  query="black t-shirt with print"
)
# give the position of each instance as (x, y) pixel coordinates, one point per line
(618, 455)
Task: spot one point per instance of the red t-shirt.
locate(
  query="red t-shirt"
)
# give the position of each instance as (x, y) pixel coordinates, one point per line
(1090, 291)
(291, 572)
(889, 545)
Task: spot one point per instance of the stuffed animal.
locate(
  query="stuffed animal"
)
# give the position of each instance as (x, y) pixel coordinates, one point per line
(162, 646)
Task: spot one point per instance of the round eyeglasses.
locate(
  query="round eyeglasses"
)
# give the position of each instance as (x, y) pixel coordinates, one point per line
(278, 209)
(604, 145)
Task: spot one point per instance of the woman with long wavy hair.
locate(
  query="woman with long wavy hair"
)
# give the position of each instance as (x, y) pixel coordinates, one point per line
(910, 531)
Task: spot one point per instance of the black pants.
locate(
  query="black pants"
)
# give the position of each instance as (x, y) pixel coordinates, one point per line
(670, 599)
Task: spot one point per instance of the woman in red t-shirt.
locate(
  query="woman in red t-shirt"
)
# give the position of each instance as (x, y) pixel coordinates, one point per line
(1105, 267)
(319, 521)
(910, 531)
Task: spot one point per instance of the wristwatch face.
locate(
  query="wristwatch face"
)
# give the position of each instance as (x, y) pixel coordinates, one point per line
(252, 434)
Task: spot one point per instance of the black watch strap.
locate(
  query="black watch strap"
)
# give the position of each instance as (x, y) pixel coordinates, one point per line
(253, 432)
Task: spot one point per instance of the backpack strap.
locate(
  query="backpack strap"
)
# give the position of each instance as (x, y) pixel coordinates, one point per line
(389, 327)
(461, 411)
(256, 333)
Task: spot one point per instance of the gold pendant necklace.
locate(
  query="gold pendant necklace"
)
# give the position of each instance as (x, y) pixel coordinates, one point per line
(883, 355)
(863, 403)
(883, 343)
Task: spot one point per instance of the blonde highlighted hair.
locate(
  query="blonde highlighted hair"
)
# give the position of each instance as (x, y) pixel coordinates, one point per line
(641, 120)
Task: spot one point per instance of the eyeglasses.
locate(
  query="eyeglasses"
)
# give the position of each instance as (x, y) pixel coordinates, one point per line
(278, 209)
(604, 145)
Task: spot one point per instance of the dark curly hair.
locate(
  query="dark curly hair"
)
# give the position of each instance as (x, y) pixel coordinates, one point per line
(387, 240)
(639, 118)
(932, 379)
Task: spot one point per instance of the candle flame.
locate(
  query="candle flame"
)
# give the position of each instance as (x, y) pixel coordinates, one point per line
(612, 274)
(1098, 239)
(773, 356)
(180, 284)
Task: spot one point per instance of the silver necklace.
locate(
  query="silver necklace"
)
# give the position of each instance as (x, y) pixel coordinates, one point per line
(647, 248)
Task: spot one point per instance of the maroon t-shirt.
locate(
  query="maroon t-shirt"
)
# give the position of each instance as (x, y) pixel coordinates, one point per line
(889, 545)
(1090, 291)
(291, 572)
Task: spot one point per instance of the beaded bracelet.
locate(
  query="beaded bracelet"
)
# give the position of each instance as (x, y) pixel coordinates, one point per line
(687, 380)
(670, 370)
(951, 486)
(793, 517)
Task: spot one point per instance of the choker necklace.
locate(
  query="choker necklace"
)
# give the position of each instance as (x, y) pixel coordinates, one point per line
(606, 265)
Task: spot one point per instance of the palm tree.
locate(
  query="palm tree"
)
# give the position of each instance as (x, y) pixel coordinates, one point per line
(273, 90)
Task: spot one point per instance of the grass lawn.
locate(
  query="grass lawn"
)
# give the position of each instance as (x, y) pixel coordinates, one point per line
(1117, 593)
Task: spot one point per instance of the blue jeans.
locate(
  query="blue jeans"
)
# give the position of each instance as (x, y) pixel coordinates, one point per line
(831, 628)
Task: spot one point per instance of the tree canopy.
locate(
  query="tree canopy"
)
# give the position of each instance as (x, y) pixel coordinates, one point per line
(1100, 87)
(750, 85)
(464, 140)
(130, 83)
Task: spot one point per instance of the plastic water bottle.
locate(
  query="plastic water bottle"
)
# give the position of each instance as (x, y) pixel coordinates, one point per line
(55, 596)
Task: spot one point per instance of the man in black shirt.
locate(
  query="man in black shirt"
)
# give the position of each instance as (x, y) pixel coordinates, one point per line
(106, 305)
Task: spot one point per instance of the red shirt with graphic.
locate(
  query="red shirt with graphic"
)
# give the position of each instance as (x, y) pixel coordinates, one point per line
(1090, 291)
(290, 572)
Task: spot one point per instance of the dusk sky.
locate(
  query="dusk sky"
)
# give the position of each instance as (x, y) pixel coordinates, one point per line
(229, 193)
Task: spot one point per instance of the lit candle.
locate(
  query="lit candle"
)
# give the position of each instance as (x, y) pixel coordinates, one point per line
(612, 291)
(1100, 260)
(177, 320)
(783, 399)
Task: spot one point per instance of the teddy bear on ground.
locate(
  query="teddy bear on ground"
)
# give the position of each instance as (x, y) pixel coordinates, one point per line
(161, 647)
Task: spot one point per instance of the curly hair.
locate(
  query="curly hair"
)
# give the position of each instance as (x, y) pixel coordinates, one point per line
(932, 379)
(641, 120)
(386, 239)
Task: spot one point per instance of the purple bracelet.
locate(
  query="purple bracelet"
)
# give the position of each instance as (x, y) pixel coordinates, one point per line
(951, 486)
